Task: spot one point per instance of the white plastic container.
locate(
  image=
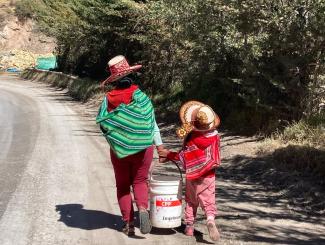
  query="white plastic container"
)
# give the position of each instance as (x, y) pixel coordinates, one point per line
(165, 201)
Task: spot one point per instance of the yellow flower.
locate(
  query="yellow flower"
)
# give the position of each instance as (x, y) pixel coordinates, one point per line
(181, 132)
(188, 127)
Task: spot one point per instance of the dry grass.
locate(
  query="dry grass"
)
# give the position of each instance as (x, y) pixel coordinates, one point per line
(300, 146)
(305, 133)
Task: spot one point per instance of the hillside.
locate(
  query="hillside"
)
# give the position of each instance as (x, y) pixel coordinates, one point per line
(21, 38)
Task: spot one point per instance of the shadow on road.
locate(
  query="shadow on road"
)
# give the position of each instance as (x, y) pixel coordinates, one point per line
(267, 198)
(74, 215)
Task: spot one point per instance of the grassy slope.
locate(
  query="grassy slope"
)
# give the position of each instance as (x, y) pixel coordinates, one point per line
(300, 146)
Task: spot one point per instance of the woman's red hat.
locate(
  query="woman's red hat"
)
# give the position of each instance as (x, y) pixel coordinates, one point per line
(119, 67)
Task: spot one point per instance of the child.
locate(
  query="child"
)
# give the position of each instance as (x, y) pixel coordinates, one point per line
(199, 157)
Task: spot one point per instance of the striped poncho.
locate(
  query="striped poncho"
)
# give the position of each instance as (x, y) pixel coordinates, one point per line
(200, 154)
(128, 129)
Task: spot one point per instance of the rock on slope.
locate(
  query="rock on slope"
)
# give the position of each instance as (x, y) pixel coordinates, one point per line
(18, 36)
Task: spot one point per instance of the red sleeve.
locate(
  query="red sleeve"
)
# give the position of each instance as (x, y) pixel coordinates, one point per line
(173, 156)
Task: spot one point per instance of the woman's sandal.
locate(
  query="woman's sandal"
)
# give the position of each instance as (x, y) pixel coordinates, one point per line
(145, 224)
(128, 229)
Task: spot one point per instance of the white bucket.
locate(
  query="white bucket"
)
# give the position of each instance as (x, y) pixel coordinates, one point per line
(165, 201)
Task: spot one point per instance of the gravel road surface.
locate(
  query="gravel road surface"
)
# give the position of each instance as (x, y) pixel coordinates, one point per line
(57, 185)
(56, 182)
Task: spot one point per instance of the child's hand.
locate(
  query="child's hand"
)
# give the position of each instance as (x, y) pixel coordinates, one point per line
(163, 160)
(163, 153)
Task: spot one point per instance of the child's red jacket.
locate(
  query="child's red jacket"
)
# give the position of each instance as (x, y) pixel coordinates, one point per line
(200, 154)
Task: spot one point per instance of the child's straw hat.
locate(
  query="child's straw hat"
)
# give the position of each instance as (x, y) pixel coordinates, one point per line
(196, 116)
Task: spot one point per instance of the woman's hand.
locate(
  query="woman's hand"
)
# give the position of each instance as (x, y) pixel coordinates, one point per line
(162, 152)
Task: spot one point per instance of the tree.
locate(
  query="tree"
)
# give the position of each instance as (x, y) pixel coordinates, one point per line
(256, 62)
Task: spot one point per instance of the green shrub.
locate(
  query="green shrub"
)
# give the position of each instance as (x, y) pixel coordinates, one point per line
(255, 62)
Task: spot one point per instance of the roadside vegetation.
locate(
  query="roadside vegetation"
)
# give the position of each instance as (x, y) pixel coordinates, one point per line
(79, 89)
(259, 64)
(299, 146)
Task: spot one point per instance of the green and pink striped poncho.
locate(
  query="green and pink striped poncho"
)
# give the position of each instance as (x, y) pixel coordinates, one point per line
(129, 128)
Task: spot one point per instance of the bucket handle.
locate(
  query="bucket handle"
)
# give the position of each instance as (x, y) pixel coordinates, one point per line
(179, 170)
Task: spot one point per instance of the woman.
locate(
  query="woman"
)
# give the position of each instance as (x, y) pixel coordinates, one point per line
(127, 120)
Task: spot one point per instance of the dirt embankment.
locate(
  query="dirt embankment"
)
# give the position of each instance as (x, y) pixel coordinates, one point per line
(20, 37)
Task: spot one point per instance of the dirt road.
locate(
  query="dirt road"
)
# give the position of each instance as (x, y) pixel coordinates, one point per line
(57, 184)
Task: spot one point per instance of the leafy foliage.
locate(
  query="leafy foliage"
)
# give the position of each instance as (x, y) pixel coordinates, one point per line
(258, 63)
